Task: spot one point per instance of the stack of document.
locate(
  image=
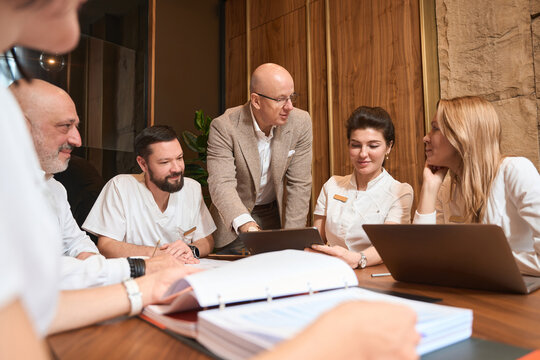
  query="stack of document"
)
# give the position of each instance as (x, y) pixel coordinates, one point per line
(240, 332)
(291, 289)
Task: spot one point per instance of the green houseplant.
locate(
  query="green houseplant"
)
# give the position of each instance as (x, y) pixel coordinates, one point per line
(196, 168)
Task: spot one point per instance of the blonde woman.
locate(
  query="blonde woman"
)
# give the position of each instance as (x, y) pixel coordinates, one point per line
(482, 185)
(369, 195)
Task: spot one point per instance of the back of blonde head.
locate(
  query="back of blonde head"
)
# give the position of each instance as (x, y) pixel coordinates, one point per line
(472, 126)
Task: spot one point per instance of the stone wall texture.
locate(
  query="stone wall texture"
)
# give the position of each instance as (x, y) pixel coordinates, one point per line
(491, 48)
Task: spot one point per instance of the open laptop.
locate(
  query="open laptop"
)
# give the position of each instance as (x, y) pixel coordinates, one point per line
(475, 256)
(273, 240)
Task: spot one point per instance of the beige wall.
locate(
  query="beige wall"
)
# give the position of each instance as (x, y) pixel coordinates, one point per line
(186, 62)
(491, 48)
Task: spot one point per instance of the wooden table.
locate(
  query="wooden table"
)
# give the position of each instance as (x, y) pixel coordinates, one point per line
(511, 319)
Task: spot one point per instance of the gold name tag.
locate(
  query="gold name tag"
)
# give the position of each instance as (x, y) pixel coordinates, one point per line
(457, 219)
(190, 231)
(340, 198)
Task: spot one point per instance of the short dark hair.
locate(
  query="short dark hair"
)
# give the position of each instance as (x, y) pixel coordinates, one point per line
(366, 117)
(152, 135)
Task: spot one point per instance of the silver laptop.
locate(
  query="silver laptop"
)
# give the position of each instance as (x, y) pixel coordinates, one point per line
(475, 256)
(273, 240)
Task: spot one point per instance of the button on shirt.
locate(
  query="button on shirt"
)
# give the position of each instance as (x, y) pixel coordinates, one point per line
(346, 209)
(266, 193)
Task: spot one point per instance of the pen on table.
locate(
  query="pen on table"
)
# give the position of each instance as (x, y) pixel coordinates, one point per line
(155, 248)
(380, 274)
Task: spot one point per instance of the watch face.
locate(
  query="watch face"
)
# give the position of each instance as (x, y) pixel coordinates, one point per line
(363, 261)
(195, 251)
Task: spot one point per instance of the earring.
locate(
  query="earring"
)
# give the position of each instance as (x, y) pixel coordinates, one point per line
(386, 156)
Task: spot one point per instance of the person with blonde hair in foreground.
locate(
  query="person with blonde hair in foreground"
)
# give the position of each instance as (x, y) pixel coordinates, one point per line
(482, 185)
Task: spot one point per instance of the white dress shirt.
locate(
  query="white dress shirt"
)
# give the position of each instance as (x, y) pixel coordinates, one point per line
(92, 271)
(29, 236)
(513, 204)
(74, 240)
(126, 211)
(346, 209)
(266, 193)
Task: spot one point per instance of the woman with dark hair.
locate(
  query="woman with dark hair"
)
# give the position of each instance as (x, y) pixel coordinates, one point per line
(367, 196)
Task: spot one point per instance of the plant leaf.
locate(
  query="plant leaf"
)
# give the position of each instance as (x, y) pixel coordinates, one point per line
(190, 139)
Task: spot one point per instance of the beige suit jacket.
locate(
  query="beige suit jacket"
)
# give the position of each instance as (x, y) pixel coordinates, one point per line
(235, 171)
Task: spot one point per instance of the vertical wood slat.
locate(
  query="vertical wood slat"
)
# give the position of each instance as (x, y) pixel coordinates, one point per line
(309, 86)
(430, 62)
(329, 88)
(248, 48)
(151, 61)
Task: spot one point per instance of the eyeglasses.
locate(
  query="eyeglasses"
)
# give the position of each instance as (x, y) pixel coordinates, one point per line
(282, 100)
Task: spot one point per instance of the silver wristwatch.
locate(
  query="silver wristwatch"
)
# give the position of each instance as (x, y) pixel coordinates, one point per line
(363, 261)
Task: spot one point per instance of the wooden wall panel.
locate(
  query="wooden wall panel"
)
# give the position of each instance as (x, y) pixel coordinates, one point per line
(235, 76)
(265, 11)
(235, 18)
(377, 62)
(283, 41)
(319, 114)
(235, 53)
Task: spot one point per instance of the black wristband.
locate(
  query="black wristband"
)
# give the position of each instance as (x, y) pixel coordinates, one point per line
(137, 267)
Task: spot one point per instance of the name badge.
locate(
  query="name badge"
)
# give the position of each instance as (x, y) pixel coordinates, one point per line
(340, 198)
(190, 231)
(457, 219)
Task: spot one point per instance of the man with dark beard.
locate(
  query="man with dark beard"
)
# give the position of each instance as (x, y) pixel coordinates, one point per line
(135, 213)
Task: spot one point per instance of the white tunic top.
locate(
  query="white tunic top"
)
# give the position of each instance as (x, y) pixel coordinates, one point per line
(29, 235)
(126, 211)
(513, 204)
(346, 209)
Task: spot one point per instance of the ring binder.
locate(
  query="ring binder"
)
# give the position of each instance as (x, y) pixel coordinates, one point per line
(268, 295)
(310, 288)
(220, 302)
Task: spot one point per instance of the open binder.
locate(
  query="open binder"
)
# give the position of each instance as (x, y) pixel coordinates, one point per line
(232, 329)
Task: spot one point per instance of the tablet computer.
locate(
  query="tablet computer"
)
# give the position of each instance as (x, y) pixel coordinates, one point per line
(257, 242)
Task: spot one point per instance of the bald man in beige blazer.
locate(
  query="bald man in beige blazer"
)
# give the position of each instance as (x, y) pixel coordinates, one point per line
(259, 161)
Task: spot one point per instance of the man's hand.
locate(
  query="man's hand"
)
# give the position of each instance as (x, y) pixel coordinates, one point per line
(85, 255)
(181, 251)
(350, 257)
(249, 226)
(160, 262)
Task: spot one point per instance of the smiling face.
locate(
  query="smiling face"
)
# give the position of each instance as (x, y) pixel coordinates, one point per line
(164, 167)
(367, 149)
(439, 151)
(53, 121)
